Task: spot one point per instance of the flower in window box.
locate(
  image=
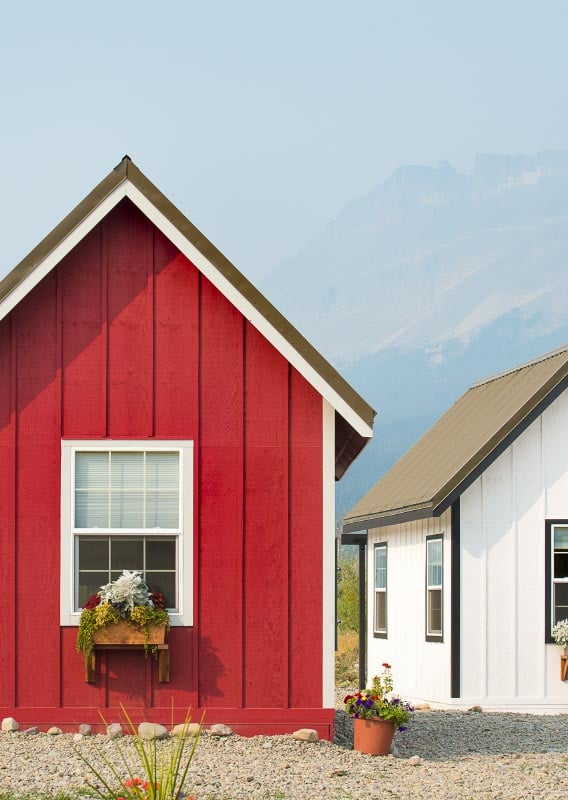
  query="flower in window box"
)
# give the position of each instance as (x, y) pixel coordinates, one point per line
(560, 633)
(125, 600)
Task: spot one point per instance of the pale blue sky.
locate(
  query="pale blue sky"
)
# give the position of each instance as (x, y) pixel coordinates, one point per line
(260, 120)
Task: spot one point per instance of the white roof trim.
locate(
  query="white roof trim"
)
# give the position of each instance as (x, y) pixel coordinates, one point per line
(127, 189)
(44, 267)
(247, 309)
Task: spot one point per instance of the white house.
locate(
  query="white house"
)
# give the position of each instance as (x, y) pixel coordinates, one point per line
(467, 544)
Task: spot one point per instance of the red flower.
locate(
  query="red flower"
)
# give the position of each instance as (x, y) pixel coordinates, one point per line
(93, 601)
(386, 666)
(348, 697)
(157, 599)
(133, 782)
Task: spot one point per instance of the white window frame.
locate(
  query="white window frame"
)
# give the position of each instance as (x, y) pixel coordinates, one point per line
(184, 614)
(431, 588)
(380, 632)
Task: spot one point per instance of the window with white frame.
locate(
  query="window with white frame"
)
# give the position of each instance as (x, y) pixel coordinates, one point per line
(434, 587)
(127, 505)
(559, 571)
(380, 611)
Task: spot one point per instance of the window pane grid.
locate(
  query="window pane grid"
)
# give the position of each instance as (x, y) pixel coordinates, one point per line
(90, 579)
(434, 586)
(127, 490)
(380, 610)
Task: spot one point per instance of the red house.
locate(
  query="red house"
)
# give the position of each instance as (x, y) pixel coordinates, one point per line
(158, 413)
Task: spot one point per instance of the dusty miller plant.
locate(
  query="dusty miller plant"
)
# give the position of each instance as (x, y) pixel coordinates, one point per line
(126, 592)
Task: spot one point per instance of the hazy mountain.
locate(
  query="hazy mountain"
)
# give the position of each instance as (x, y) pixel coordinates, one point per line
(434, 280)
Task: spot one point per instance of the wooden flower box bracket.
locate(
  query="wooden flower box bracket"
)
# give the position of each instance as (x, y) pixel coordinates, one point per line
(564, 668)
(123, 636)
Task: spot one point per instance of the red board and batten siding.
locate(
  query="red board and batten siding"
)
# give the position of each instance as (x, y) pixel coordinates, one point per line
(125, 339)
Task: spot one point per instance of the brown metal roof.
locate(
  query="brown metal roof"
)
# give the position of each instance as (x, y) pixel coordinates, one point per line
(475, 430)
(350, 442)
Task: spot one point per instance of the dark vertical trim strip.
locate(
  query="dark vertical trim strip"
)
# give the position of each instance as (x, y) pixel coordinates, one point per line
(362, 618)
(455, 600)
(547, 581)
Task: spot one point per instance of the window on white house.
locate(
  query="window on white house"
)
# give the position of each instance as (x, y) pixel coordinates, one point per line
(434, 581)
(380, 613)
(559, 573)
(127, 505)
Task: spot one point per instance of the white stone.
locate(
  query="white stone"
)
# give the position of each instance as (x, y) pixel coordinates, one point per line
(422, 707)
(31, 731)
(415, 761)
(114, 730)
(85, 730)
(152, 730)
(220, 730)
(78, 737)
(189, 729)
(306, 735)
(54, 731)
(9, 724)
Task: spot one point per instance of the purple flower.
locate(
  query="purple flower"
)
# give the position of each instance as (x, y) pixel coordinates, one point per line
(403, 728)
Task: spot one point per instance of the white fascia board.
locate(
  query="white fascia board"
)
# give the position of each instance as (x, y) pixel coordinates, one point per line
(127, 189)
(63, 248)
(328, 556)
(247, 310)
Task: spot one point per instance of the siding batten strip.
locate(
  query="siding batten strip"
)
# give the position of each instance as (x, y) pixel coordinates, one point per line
(328, 544)
(455, 601)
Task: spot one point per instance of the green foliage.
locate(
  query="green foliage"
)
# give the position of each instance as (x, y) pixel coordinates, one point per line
(93, 619)
(161, 772)
(348, 593)
(378, 702)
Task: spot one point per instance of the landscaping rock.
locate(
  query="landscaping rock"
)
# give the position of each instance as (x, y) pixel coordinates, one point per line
(422, 707)
(78, 737)
(338, 773)
(475, 708)
(9, 725)
(85, 730)
(306, 735)
(54, 731)
(152, 730)
(220, 730)
(114, 730)
(191, 729)
(415, 761)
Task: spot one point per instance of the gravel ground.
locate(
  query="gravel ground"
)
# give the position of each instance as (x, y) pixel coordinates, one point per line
(474, 755)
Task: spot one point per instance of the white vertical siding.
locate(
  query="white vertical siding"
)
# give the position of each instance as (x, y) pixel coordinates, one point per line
(421, 669)
(505, 662)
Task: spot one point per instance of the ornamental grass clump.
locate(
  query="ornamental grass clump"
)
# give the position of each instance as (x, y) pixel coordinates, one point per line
(159, 774)
(127, 598)
(560, 632)
(378, 702)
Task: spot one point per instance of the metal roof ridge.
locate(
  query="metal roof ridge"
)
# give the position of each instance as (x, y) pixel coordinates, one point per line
(538, 360)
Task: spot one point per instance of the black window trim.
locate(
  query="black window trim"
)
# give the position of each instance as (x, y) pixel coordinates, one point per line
(433, 637)
(381, 634)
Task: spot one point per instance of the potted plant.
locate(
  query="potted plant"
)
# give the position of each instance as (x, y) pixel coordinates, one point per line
(123, 612)
(560, 634)
(377, 714)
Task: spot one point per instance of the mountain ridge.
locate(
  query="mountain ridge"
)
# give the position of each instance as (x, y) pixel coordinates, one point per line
(431, 281)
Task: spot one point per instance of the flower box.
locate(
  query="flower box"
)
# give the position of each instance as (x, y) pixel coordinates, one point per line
(125, 633)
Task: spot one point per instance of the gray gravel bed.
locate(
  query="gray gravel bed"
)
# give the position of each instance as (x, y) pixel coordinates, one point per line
(464, 755)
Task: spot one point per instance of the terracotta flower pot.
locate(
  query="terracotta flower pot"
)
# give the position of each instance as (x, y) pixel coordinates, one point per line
(373, 736)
